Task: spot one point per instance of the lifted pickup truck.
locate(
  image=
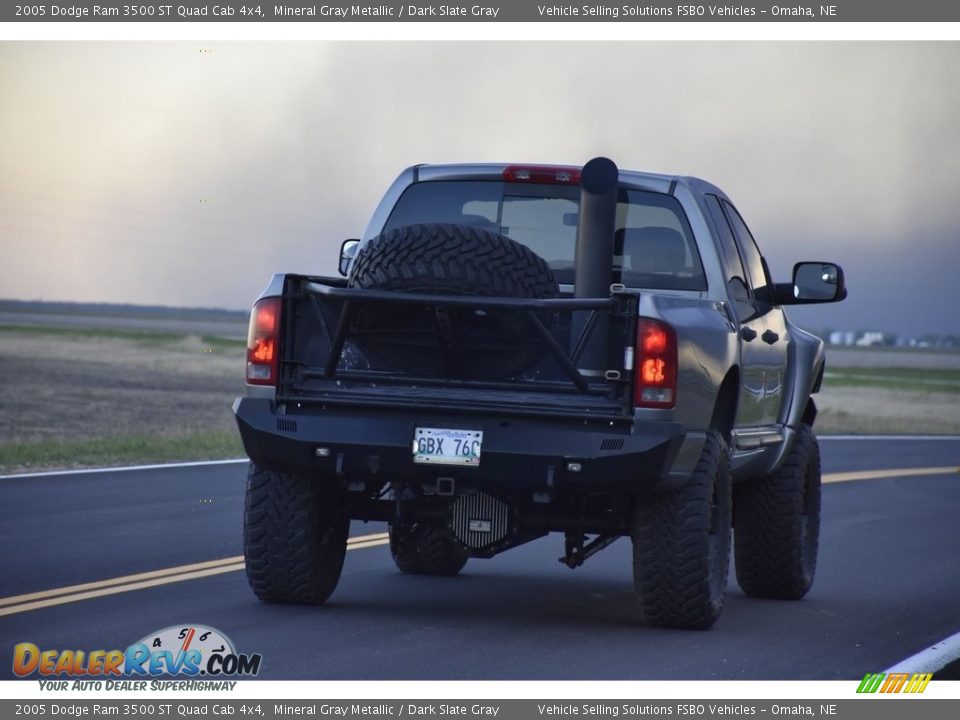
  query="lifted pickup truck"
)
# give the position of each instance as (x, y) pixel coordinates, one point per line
(516, 350)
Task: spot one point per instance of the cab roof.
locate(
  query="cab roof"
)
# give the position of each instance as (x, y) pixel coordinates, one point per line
(656, 182)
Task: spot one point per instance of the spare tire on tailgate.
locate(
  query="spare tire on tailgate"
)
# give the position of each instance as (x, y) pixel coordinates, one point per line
(474, 343)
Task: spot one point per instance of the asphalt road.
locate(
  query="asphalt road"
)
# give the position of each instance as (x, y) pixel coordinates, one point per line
(888, 585)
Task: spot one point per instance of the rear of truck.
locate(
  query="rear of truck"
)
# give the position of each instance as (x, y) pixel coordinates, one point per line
(409, 444)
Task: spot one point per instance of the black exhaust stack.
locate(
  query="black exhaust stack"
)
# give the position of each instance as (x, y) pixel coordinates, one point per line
(594, 256)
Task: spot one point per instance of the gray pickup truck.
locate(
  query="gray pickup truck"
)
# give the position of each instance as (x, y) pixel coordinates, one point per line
(515, 350)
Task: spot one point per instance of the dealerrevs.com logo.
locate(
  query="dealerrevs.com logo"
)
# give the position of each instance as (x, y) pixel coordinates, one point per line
(191, 651)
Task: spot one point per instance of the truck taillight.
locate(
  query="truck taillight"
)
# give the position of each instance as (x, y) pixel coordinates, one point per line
(263, 342)
(655, 384)
(544, 174)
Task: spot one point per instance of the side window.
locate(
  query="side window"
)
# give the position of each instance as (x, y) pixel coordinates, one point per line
(732, 264)
(654, 245)
(748, 246)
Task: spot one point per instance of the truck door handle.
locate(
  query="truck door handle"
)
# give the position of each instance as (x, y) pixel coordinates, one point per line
(770, 337)
(748, 333)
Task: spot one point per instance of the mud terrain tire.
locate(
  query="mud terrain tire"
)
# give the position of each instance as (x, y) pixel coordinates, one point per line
(681, 545)
(425, 550)
(473, 342)
(777, 525)
(294, 536)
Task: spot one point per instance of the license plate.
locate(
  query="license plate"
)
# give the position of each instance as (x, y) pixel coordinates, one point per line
(442, 446)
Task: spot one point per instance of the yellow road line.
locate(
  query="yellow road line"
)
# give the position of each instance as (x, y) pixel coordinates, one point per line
(881, 474)
(116, 589)
(369, 544)
(139, 577)
(127, 583)
(378, 538)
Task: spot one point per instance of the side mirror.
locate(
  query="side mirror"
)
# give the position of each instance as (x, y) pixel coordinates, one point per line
(814, 282)
(348, 250)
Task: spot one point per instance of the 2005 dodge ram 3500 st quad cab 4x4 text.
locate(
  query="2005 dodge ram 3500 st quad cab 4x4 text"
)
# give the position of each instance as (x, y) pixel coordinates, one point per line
(516, 350)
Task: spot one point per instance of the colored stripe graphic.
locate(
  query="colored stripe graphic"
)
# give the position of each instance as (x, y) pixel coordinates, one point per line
(894, 682)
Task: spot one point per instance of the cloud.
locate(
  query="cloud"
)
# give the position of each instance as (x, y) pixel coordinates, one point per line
(186, 174)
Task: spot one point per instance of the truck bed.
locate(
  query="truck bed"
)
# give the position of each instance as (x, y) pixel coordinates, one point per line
(324, 361)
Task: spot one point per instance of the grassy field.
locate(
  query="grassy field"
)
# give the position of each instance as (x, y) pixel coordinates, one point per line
(939, 381)
(895, 400)
(84, 397)
(80, 397)
(119, 450)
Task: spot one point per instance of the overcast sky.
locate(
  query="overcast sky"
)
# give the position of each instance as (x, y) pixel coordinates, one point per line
(185, 174)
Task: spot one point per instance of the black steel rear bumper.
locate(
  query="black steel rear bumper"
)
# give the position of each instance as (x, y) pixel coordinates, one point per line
(518, 453)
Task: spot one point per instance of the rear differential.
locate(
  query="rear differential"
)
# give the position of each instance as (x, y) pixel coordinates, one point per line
(480, 521)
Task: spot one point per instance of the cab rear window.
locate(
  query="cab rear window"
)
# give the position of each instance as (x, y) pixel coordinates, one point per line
(654, 246)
